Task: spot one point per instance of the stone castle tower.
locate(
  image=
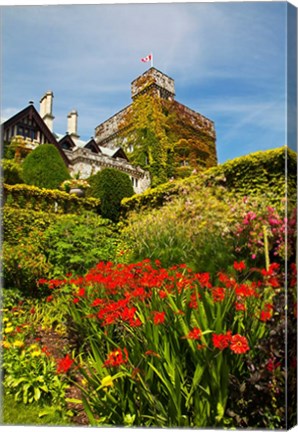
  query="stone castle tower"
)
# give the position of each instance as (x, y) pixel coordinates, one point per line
(195, 134)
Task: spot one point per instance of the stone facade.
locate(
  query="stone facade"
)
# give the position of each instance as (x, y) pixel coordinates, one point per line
(154, 81)
(109, 133)
(87, 163)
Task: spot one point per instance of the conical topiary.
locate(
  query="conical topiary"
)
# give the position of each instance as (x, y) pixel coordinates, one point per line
(44, 167)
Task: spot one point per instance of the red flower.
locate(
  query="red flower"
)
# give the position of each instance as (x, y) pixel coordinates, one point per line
(162, 294)
(240, 306)
(81, 292)
(46, 351)
(272, 365)
(42, 281)
(239, 266)
(136, 322)
(64, 364)
(116, 358)
(221, 341)
(194, 334)
(97, 302)
(265, 315)
(239, 344)
(49, 298)
(159, 317)
(244, 290)
(218, 294)
(76, 300)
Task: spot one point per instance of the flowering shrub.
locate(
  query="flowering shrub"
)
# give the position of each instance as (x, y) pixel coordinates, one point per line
(162, 343)
(208, 228)
(263, 227)
(29, 370)
(74, 184)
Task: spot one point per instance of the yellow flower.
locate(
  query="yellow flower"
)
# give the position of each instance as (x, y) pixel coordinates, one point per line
(33, 347)
(6, 344)
(18, 344)
(5, 319)
(8, 329)
(107, 381)
(36, 353)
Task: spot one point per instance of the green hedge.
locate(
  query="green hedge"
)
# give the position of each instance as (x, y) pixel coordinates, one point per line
(260, 173)
(54, 201)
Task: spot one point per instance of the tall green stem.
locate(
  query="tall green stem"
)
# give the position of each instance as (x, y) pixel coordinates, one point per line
(266, 247)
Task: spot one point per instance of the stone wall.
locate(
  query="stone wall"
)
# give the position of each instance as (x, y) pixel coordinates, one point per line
(197, 120)
(153, 79)
(86, 163)
(106, 133)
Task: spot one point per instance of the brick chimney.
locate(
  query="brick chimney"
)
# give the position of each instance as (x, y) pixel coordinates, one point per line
(72, 125)
(46, 108)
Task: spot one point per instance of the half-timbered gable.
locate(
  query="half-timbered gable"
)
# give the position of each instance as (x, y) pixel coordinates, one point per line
(29, 124)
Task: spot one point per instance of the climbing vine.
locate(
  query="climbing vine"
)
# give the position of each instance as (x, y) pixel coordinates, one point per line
(165, 138)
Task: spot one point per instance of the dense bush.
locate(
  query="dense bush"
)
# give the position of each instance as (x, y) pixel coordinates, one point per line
(44, 167)
(74, 244)
(11, 171)
(34, 198)
(208, 228)
(261, 173)
(38, 244)
(110, 186)
(18, 223)
(192, 229)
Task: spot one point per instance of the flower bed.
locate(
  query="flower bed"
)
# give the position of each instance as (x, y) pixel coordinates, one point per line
(159, 346)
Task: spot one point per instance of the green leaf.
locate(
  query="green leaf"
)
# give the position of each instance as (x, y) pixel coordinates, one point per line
(220, 412)
(88, 411)
(73, 400)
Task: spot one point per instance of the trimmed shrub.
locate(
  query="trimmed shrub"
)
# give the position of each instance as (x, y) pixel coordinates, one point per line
(260, 173)
(34, 198)
(110, 186)
(12, 172)
(45, 168)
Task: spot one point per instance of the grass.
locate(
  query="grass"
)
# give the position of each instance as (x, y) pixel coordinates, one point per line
(17, 413)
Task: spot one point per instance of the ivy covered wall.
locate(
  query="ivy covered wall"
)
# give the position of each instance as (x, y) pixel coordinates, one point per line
(166, 138)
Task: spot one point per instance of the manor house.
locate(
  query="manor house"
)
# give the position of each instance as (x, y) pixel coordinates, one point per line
(106, 148)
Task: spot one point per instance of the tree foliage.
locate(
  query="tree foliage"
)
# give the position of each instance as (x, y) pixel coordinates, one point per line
(45, 168)
(11, 172)
(110, 186)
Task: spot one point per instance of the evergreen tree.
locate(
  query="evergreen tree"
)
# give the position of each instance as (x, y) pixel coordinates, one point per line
(44, 167)
(110, 186)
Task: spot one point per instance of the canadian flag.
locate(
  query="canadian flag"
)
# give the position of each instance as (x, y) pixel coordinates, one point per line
(147, 59)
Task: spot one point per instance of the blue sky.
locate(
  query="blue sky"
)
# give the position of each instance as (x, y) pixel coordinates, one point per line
(228, 61)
